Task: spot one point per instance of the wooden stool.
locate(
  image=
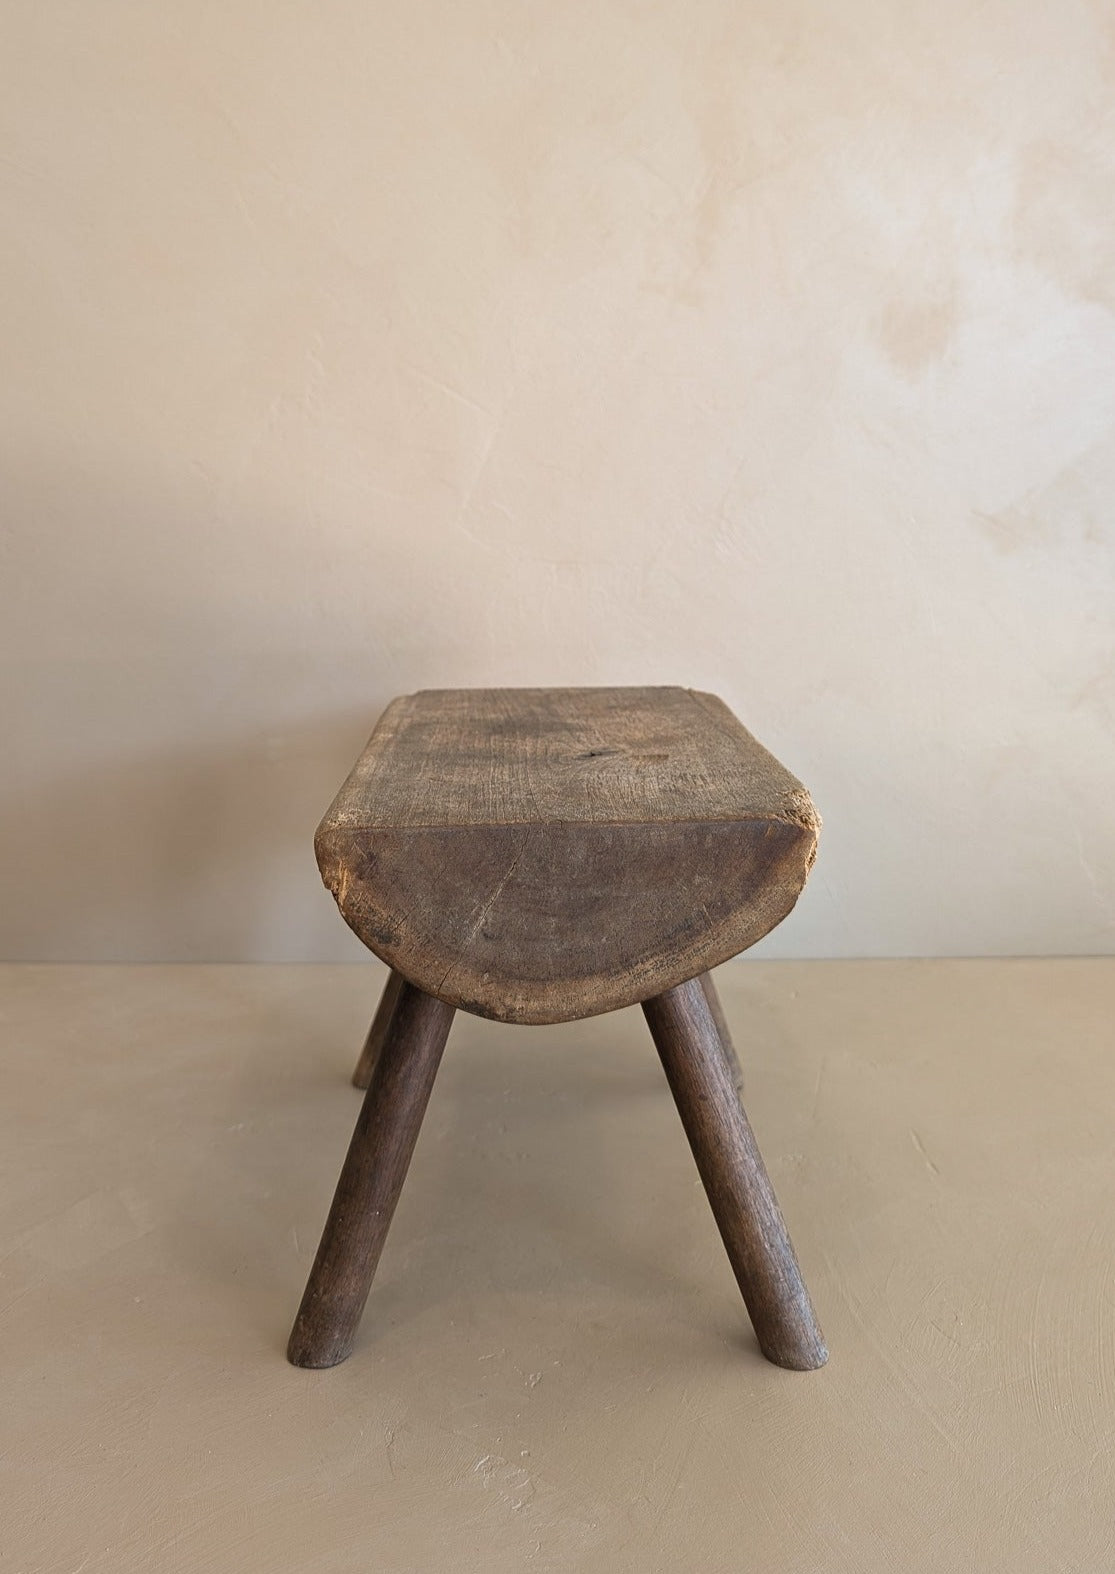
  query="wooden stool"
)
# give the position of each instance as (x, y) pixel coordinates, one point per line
(541, 855)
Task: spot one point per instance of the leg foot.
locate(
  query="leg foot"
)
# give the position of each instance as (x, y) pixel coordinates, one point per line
(362, 1076)
(735, 1178)
(371, 1180)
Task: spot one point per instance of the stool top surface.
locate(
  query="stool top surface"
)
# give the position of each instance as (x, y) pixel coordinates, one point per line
(543, 854)
(602, 756)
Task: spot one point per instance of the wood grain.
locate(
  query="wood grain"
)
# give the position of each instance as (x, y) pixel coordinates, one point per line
(621, 756)
(378, 1031)
(371, 1180)
(537, 855)
(735, 1178)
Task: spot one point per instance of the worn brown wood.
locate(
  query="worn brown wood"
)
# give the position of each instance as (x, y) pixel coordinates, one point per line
(723, 1029)
(371, 1180)
(735, 1179)
(381, 1022)
(538, 855)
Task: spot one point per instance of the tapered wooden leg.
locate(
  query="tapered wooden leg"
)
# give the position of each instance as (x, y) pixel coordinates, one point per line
(723, 1029)
(362, 1076)
(371, 1180)
(738, 1187)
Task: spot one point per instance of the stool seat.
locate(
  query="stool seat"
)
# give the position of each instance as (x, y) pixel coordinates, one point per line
(540, 855)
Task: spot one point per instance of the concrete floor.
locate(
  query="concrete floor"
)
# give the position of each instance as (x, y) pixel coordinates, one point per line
(555, 1371)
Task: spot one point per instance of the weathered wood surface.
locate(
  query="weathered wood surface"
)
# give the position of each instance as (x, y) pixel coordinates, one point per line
(538, 855)
(371, 1180)
(378, 1031)
(735, 1178)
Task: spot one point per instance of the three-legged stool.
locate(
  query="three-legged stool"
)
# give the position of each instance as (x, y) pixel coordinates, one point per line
(541, 855)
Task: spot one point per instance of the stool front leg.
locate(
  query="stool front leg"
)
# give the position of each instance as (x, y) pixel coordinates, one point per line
(377, 1033)
(371, 1180)
(734, 1176)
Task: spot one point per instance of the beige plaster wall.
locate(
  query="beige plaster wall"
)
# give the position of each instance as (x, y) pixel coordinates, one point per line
(352, 348)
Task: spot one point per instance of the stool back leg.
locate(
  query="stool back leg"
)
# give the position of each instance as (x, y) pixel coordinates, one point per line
(723, 1029)
(371, 1180)
(734, 1176)
(362, 1076)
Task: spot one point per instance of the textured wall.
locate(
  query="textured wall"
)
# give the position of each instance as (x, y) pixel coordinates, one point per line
(352, 348)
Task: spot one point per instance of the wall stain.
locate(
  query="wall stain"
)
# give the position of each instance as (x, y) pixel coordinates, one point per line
(1063, 216)
(915, 332)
